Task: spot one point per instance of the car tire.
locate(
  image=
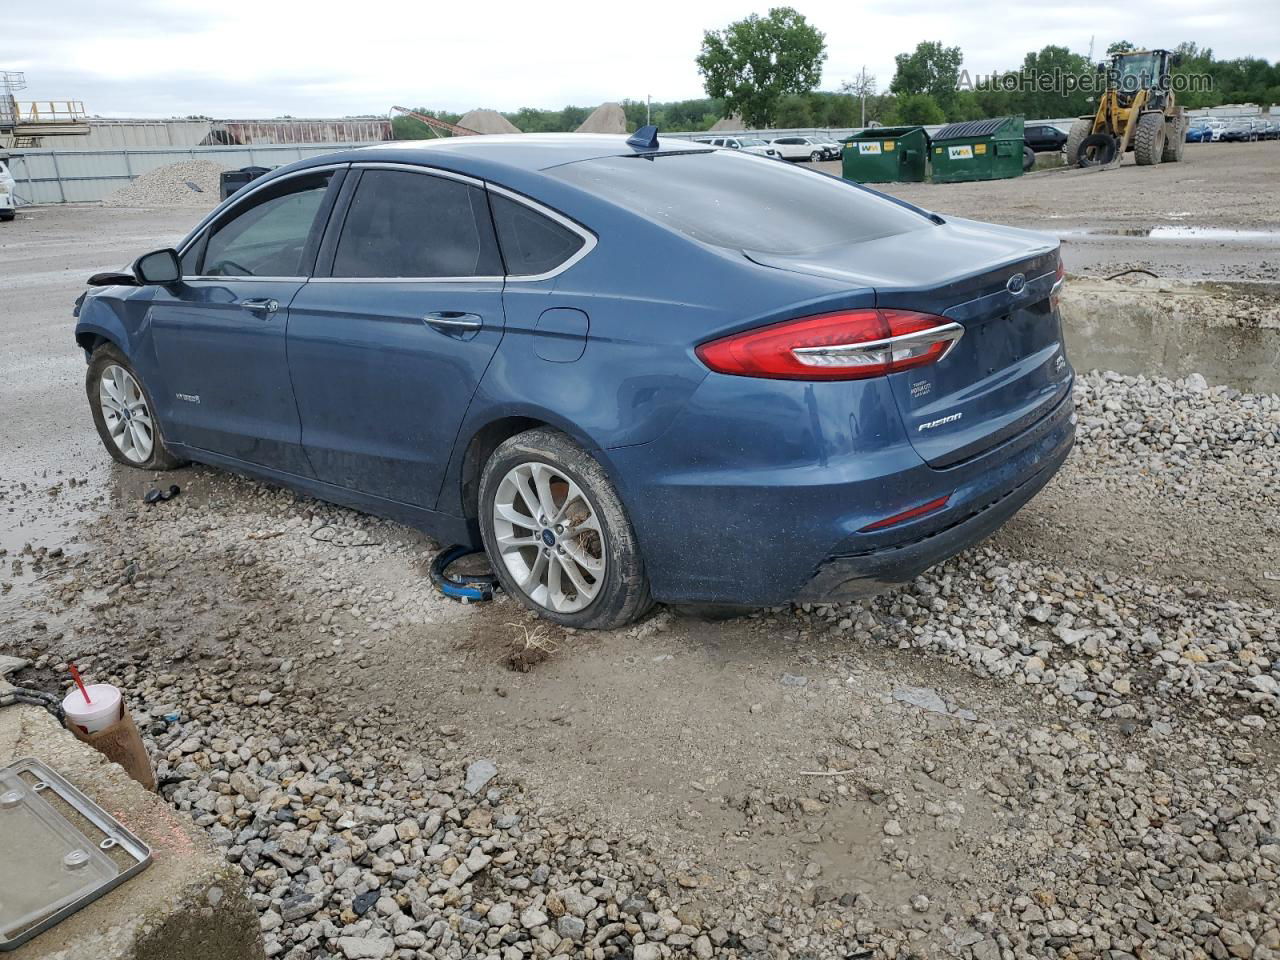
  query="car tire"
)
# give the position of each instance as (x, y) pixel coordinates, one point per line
(544, 478)
(815, 157)
(6, 217)
(1028, 158)
(124, 413)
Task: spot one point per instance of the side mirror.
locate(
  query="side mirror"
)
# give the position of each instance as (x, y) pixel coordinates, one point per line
(158, 267)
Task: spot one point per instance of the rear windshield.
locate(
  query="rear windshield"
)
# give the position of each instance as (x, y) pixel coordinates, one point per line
(742, 201)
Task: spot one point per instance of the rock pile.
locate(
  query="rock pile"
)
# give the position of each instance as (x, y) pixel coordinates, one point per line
(191, 183)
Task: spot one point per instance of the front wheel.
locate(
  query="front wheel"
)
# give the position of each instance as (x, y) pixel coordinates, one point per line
(124, 414)
(815, 156)
(557, 534)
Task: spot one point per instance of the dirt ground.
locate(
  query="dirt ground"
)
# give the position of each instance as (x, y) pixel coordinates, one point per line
(775, 760)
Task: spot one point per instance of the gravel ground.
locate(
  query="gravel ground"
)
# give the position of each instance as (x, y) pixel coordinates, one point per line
(1008, 758)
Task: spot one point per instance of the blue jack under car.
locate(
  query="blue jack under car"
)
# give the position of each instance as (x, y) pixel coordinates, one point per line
(631, 370)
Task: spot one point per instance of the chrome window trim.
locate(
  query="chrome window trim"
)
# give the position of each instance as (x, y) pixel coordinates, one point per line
(416, 168)
(589, 240)
(232, 277)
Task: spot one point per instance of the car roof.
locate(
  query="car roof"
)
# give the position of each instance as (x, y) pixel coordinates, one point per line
(488, 153)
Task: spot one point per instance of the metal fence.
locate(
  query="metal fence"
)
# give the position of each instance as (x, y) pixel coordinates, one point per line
(85, 176)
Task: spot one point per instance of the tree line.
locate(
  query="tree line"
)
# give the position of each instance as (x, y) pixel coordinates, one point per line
(766, 69)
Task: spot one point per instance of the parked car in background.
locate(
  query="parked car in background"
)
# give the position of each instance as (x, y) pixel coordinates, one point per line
(823, 392)
(1199, 133)
(1240, 131)
(1043, 137)
(745, 144)
(1272, 129)
(792, 148)
(805, 148)
(831, 143)
(8, 203)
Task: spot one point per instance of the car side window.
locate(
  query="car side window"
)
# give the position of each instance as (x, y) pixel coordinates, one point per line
(531, 243)
(269, 236)
(418, 226)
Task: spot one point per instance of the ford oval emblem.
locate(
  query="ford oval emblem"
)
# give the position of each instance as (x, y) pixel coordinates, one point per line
(1016, 284)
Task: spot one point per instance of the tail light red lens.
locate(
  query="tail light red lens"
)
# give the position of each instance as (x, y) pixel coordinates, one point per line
(1058, 278)
(850, 345)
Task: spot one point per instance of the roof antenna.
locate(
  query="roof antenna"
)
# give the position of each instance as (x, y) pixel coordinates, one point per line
(646, 138)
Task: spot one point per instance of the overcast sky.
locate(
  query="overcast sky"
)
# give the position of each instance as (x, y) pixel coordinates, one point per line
(155, 58)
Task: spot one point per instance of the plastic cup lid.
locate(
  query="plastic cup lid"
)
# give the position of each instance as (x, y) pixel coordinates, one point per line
(105, 697)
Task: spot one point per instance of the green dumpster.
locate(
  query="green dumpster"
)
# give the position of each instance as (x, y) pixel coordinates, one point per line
(886, 155)
(978, 150)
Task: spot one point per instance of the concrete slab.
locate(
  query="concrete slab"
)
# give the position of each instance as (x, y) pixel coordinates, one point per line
(188, 903)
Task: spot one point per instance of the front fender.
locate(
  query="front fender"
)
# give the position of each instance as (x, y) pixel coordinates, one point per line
(105, 315)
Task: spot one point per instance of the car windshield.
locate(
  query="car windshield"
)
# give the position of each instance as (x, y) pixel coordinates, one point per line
(752, 143)
(743, 202)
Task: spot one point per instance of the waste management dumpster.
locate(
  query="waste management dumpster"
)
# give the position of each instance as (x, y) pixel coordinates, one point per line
(886, 155)
(978, 150)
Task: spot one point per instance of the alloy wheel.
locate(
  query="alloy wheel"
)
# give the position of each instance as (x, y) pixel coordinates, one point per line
(548, 537)
(126, 414)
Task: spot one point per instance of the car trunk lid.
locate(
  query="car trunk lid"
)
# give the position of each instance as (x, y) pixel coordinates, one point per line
(1008, 369)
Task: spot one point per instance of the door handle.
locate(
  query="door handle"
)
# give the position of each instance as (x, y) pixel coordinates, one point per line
(449, 320)
(265, 306)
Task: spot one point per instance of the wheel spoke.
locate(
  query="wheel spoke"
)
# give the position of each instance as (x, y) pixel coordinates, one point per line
(509, 513)
(555, 593)
(570, 498)
(510, 542)
(593, 565)
(542, 484)
(585, 590)
(587, 523)
(534, 577)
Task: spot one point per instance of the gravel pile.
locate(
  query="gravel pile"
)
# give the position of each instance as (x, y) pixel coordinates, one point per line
(606, 118)
(487, 121)
(191, 183)
(1106, 787)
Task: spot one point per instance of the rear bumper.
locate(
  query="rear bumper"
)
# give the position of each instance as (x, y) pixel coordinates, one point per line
(773, 501)
(866, 574)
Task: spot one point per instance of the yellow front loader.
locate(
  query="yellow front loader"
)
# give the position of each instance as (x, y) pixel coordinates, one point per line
(1137, 111)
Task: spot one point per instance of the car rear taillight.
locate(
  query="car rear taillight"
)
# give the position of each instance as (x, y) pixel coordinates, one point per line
(850, 345)
(1058, 279)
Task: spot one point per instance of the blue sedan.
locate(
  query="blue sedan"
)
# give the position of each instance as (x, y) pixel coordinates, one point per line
(632, 371)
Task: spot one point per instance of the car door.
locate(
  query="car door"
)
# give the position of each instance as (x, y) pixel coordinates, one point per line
(388, 343)
(219, 334)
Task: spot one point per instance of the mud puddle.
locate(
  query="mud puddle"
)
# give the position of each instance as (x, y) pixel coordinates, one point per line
(1193, 234)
